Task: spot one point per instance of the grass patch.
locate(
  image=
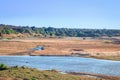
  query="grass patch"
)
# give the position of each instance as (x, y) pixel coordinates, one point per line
(24, 73)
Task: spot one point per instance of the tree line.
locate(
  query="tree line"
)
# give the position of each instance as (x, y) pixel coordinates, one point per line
(66, 32)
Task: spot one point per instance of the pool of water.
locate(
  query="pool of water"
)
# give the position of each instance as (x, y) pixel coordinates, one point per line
(69, 64)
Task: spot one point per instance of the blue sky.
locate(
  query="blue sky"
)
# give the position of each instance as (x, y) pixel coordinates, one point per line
(61, 13)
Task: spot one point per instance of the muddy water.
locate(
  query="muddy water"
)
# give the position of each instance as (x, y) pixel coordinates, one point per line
(72, 64)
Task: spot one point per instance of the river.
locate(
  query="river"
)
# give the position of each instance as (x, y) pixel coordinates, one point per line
(69, 64)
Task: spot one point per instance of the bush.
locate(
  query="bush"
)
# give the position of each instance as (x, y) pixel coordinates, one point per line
(33, 78)
(3, 67)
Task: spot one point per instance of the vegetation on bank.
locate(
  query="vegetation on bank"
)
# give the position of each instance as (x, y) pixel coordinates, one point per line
(24, 73)
(115, 58)
(3, 67)
(52, 32)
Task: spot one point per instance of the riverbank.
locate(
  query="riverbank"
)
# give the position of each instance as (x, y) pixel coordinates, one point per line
(25, 73)
(95, 75)
(114, 58)
(62, 47)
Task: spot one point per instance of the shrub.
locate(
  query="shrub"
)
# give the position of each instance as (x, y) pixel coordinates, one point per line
(33, 78)
(3, 67)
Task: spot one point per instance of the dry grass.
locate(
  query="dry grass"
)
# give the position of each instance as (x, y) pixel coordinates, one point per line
(59, 47)
(24, 73)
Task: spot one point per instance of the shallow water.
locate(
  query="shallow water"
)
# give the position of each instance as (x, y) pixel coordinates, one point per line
(72, 64)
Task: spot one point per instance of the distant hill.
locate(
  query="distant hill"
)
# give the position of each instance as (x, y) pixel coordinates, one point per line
(27, 31)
